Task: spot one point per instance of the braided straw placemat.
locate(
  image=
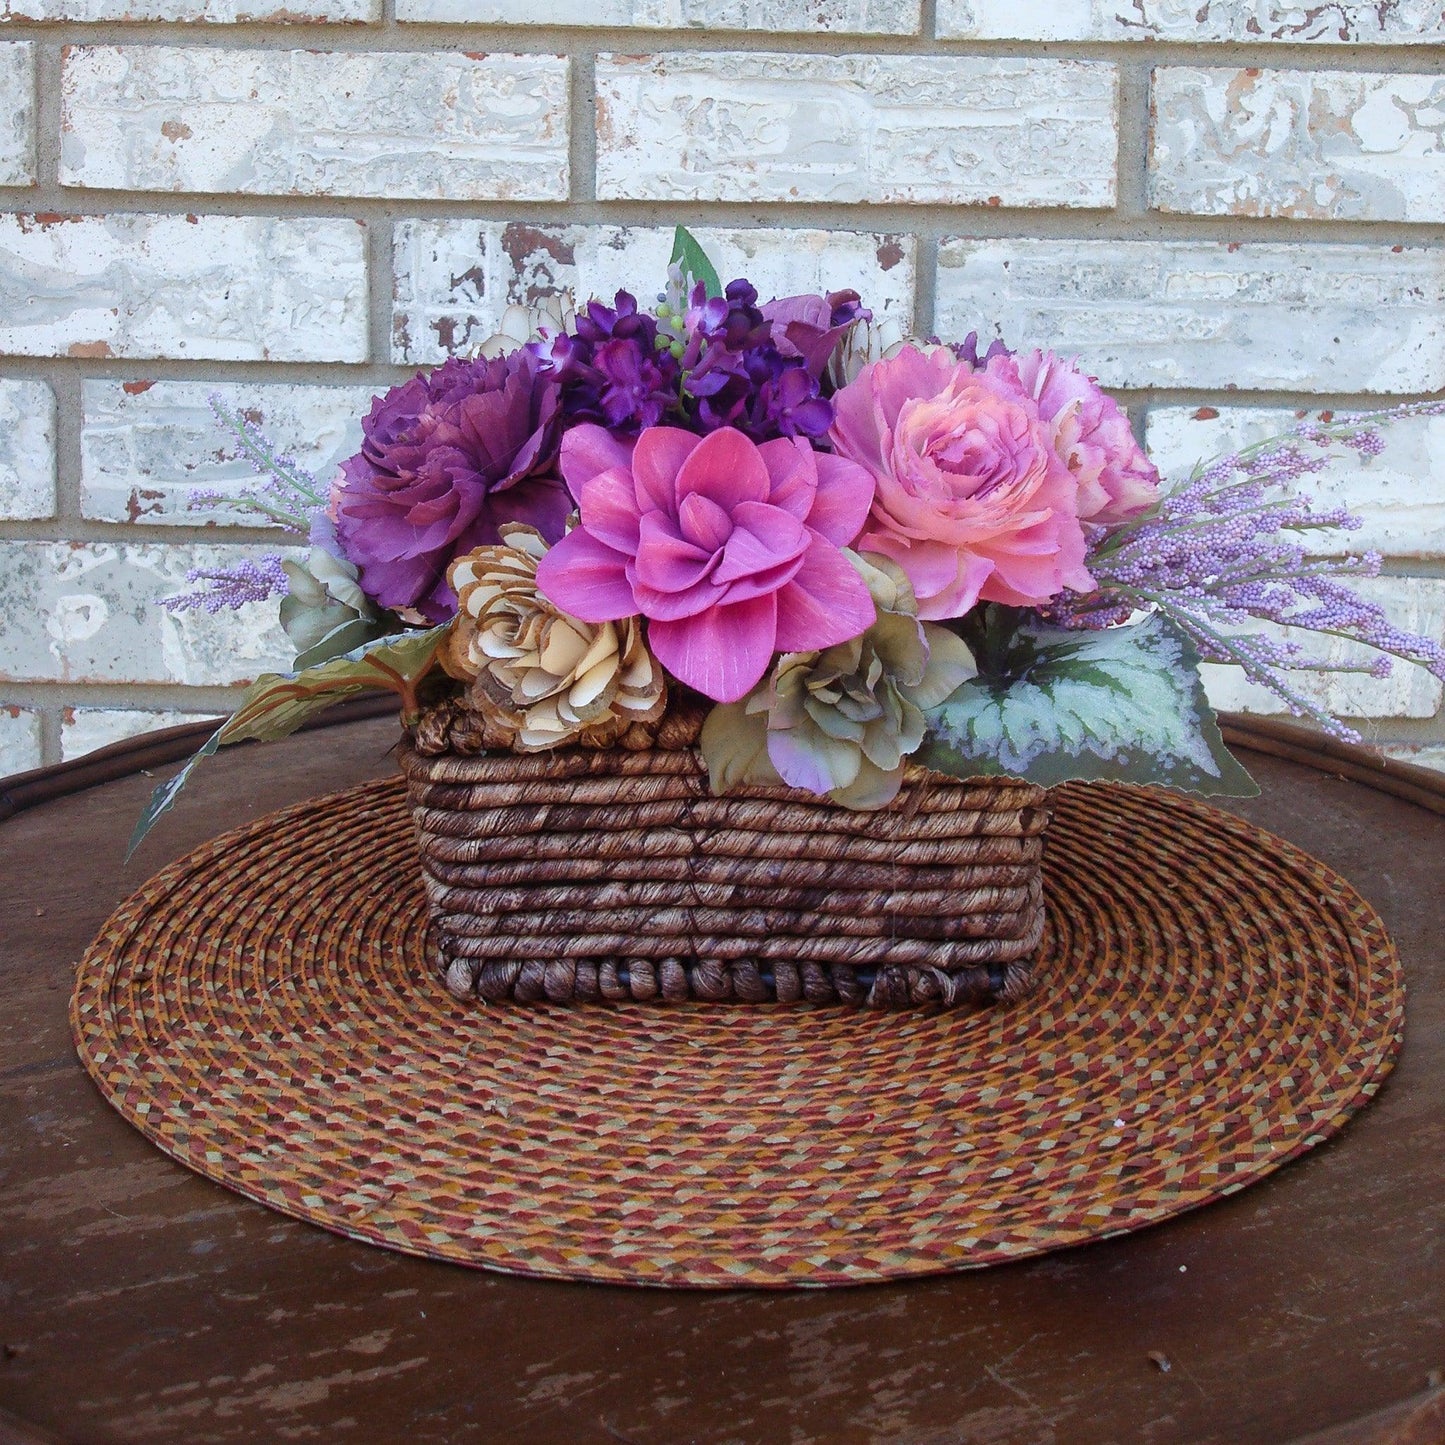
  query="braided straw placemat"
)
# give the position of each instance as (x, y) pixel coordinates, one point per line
(1211, 1002)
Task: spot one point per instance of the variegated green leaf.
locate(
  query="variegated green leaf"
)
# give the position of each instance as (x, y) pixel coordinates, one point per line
(1052, 704)
(276, 704)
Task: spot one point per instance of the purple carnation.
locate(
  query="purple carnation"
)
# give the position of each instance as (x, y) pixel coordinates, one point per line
(446, 458)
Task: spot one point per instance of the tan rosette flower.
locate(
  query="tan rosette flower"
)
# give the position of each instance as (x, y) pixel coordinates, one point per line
(843, 721)
(538, 676)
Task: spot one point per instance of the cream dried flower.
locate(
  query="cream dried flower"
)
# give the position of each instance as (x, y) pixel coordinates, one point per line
(546, 319)
(537, 675)
(843, 721)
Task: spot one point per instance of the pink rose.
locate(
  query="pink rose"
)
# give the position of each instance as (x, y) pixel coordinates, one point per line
(731, 550)
(1116, 481)
(972, 500)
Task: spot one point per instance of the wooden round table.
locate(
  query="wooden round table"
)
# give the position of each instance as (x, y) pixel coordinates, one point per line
(141, 1303)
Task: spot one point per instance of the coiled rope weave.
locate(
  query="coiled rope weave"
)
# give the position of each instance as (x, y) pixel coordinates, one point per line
(614, 875)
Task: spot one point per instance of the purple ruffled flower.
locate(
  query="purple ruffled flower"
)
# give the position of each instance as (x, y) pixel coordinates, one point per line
(446, 458)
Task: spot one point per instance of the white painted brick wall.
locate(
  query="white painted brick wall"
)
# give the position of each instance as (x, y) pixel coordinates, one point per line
(1397, 495)
(1403, 22)
(19, 740)
(838, 17)
(1272, 316)
(220, 12)
(27, 451)
(147, 447)
(952, 131)
(455, 278)
(1323, 145)
(246, 288)
(295, 122)
(17, 114)
(1235, 227)
(84, 729)
(75, 612)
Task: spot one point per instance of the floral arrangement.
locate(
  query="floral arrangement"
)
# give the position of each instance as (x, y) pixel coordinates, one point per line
(841, 549)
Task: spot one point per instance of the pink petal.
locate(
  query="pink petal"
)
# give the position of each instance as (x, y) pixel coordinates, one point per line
(586, 578)
(609, 509)
(845, 493)
(826, 602)
(588, 449)
(726, 468)
(793, 472)
(667, 562)
(702, 521)
(763, 538)
(660, 453)
(722, 652)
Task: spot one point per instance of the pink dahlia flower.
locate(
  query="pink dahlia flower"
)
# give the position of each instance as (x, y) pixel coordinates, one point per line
(731, 550)
(1116, 481)
(972, 500)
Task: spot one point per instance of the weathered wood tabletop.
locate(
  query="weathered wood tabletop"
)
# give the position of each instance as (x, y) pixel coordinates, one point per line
(140, 1303)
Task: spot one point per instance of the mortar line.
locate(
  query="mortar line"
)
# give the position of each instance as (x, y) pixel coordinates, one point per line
(67, 383)
(582, 129)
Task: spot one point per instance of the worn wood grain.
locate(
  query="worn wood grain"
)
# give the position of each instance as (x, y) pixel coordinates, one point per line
(140, 1303)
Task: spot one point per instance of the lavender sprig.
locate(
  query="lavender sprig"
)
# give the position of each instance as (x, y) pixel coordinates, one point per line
(250, 580)
(1227, 548)
(288, 494)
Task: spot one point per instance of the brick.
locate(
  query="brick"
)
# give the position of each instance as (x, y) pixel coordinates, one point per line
(219, 12)
(17, 114)
(27, 451)
(454, 278)
(1317, 145)
(1269, 315)
(226, 288)
(824, 17)
(89, 612)
(299, 122)
(952, 130)
(19, 740)
(1399, 495)
(1421, 755)
(84, 729)
(1402, 22)
(147, 447)
(1414, 603)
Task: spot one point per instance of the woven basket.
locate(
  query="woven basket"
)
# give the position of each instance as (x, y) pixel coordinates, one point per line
(611, 875)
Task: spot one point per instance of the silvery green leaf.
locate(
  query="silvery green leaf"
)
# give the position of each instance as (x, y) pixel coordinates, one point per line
(1053, 704)
(276, 704)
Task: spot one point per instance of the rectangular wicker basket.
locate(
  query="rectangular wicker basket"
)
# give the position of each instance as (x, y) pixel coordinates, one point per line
(612, 875)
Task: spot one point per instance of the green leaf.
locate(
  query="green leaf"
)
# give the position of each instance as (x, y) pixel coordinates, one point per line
(687, 253)
(276, 704)
(1053, 704)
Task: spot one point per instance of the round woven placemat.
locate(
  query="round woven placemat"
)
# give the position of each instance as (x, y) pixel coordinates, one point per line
(1211, 1002)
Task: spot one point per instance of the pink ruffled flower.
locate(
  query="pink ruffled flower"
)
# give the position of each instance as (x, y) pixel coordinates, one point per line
(972, 500)
(1116, 481)
(730, 549)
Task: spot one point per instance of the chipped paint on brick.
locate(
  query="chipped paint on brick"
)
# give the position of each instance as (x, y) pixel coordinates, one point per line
(299, 122)
(880, 128)
(1314, 145)
(233, 288)
(27, 451)
(454, 278)
(144, 454)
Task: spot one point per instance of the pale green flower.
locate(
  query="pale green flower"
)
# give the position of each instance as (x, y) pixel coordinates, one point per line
(844, 720)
